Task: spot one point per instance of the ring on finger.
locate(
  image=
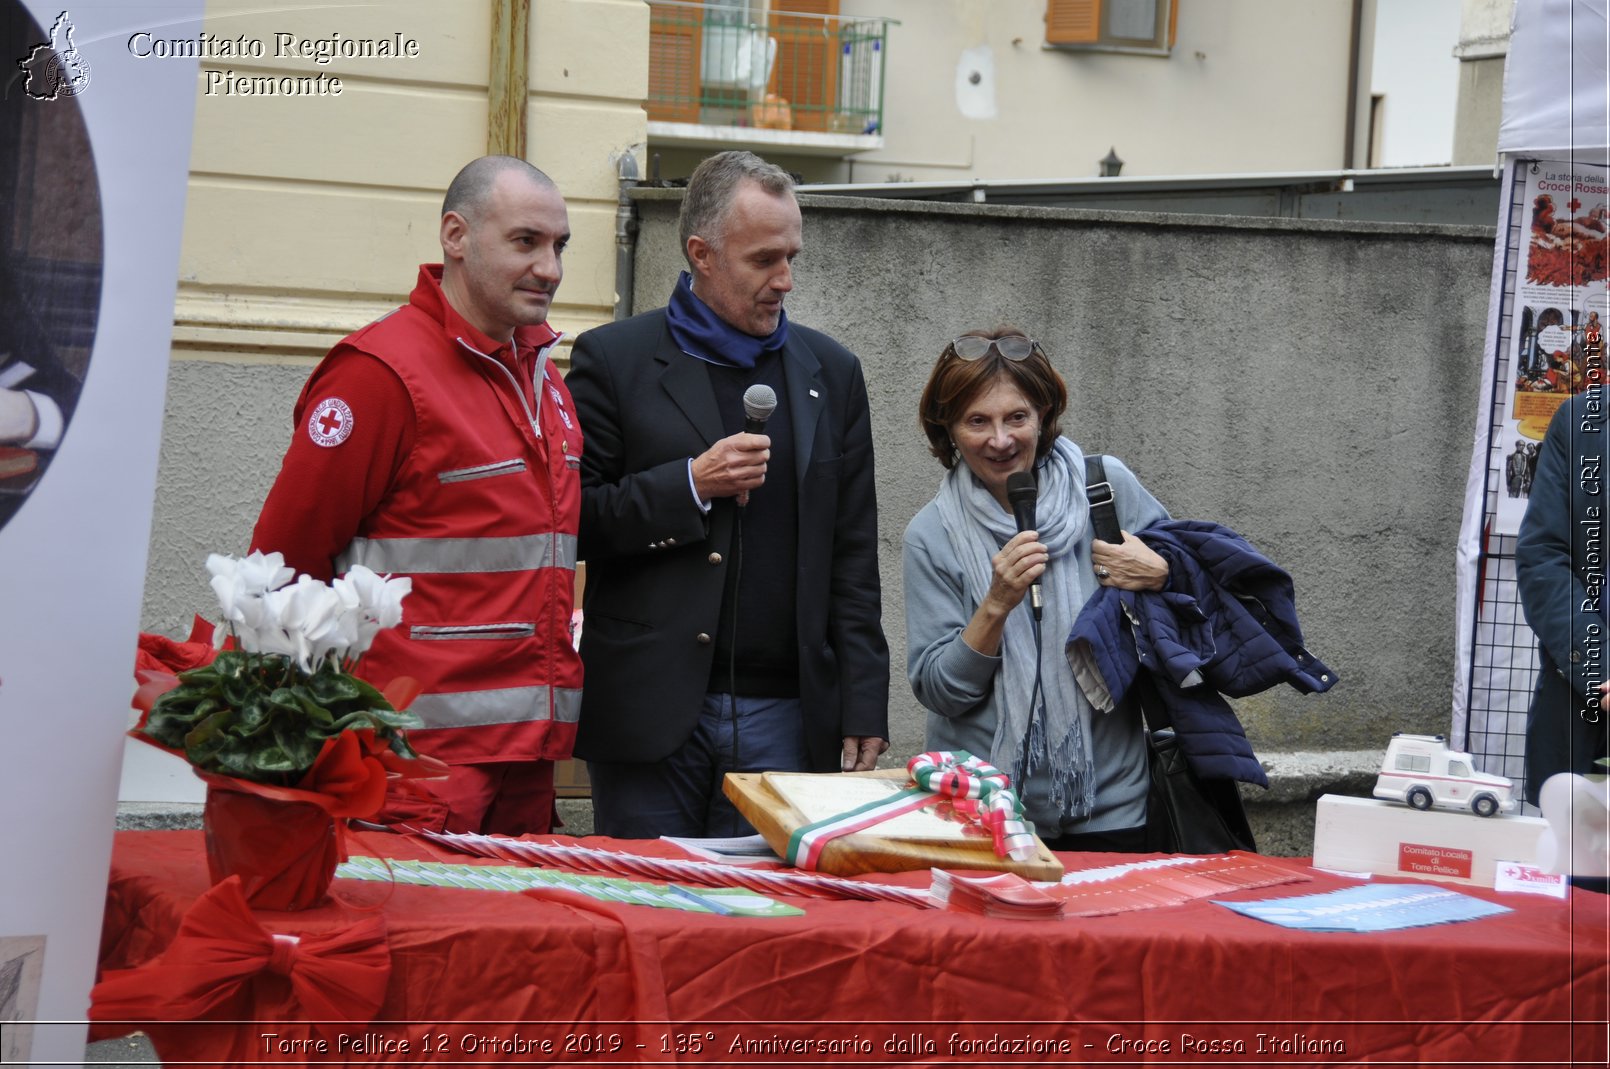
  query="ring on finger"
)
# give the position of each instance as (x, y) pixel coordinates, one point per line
(1102, 572)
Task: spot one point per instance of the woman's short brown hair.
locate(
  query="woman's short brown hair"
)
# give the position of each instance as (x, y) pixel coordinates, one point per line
(955, 383)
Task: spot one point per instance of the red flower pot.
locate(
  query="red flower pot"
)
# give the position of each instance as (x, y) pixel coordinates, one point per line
(285, 853)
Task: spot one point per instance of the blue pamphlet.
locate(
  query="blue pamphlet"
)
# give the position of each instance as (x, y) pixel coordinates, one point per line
(1376, 907)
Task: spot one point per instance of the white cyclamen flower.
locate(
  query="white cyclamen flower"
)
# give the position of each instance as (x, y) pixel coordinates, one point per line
(265, 571)
(241, 584)
(267, 636)
(309, 612)
(379, 603)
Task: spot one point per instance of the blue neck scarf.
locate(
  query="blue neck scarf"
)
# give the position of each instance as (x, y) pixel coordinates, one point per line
(699, 332)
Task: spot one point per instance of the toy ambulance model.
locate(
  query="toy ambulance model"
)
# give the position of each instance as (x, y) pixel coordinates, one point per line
(1421, 771)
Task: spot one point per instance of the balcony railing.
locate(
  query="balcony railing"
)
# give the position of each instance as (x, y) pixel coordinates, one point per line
(716, 65)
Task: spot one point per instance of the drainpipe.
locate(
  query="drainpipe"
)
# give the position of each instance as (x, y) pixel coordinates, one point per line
(1354, 46)
(625, 233)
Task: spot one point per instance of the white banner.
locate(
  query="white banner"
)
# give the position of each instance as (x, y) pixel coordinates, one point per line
(94, 155)
(1556, 99)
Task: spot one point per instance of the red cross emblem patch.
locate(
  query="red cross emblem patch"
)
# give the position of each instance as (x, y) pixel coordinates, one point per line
(330, 422)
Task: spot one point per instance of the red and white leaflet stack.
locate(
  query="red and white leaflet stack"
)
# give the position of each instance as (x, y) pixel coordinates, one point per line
(1167, 881)
(1111, 889)
(1006, 895)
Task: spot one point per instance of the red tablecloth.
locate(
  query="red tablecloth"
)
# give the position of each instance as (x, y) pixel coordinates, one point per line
(484, 976)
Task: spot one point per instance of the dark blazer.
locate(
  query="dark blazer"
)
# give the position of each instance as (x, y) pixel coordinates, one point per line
(656, 563)
(1560, 563)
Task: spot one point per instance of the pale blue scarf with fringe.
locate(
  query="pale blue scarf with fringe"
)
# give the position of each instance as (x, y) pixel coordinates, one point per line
(1056, 735)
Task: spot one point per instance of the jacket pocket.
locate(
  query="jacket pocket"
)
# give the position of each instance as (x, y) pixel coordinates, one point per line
(484, 632)
(603, 623)
(829, 468)
(482, 471)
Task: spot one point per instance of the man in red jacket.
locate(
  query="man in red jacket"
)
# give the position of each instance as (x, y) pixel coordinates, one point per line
(439, 442)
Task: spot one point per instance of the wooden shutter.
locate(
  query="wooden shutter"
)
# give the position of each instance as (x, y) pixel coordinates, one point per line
(807, 69)
(674, 38)
(1072, 22)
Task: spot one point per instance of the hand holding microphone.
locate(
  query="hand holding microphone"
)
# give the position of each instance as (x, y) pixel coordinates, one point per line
(1024, 496)
(737, 464)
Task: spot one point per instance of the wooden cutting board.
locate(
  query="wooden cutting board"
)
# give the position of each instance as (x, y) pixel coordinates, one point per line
(851, 855)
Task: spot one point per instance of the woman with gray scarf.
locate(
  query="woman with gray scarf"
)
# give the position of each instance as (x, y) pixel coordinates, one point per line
(976, 657)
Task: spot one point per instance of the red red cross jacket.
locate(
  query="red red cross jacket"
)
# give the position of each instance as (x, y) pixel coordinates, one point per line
(438, 469)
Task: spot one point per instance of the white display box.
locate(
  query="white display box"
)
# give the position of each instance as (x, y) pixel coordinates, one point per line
(1390, 839)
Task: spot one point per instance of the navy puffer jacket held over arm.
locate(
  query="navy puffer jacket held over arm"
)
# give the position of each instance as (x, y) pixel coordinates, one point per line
(1226, 625)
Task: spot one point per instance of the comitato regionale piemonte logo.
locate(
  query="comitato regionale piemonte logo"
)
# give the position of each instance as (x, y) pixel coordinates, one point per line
(54, 69)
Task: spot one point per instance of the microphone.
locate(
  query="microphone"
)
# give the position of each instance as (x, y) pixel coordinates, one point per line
(760, 401)
(1023, 495)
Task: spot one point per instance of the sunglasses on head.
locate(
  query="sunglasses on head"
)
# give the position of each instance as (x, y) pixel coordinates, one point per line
(1013, 347)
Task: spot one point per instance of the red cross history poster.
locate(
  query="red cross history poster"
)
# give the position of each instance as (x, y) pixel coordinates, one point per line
(1556, 338)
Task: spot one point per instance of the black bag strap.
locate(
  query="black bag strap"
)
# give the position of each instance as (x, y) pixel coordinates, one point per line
(1104, 524)
(1153, 710)
(1103, 513)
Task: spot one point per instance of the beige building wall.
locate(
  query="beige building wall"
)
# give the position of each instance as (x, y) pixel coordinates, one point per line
(1483, 47)
(1250, 86)
(307, 214)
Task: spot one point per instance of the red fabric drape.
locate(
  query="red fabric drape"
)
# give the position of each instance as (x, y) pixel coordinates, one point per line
(484, 971)
(224, 965)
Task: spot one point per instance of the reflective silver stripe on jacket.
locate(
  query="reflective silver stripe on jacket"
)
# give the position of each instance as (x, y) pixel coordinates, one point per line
(515, 705)
(483, 471)
(494, 631)
(443, 556)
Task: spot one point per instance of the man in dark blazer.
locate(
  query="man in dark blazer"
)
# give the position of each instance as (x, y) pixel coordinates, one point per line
(733, 606)
(1560, 563)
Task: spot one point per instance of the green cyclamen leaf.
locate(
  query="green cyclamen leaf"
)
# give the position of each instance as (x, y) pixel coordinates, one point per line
(300, 746)
(208, 738)
(331, 689)
(400, 746)
(395, 718)
(275, 761)
(255, 716)
(318, 717)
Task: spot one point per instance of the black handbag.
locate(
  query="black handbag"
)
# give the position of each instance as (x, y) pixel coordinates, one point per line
(1185, 814)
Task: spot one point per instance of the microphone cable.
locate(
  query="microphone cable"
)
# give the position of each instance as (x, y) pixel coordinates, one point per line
(736, 550)
(759, 402)
(1036, 697)
(1022, 496)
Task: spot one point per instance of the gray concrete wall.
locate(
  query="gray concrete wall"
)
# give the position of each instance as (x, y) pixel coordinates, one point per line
(1312, 385)
(225, 427)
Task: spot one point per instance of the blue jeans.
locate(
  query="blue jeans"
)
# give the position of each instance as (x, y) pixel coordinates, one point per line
(682, 794)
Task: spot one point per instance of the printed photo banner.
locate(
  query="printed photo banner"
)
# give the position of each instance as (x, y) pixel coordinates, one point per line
(1556, 345)
(94, 160)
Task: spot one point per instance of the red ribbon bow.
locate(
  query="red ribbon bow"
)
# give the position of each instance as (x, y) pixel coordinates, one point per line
(215, 968)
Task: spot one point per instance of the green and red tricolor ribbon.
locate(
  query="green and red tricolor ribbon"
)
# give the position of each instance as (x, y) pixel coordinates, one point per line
(976, 789)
